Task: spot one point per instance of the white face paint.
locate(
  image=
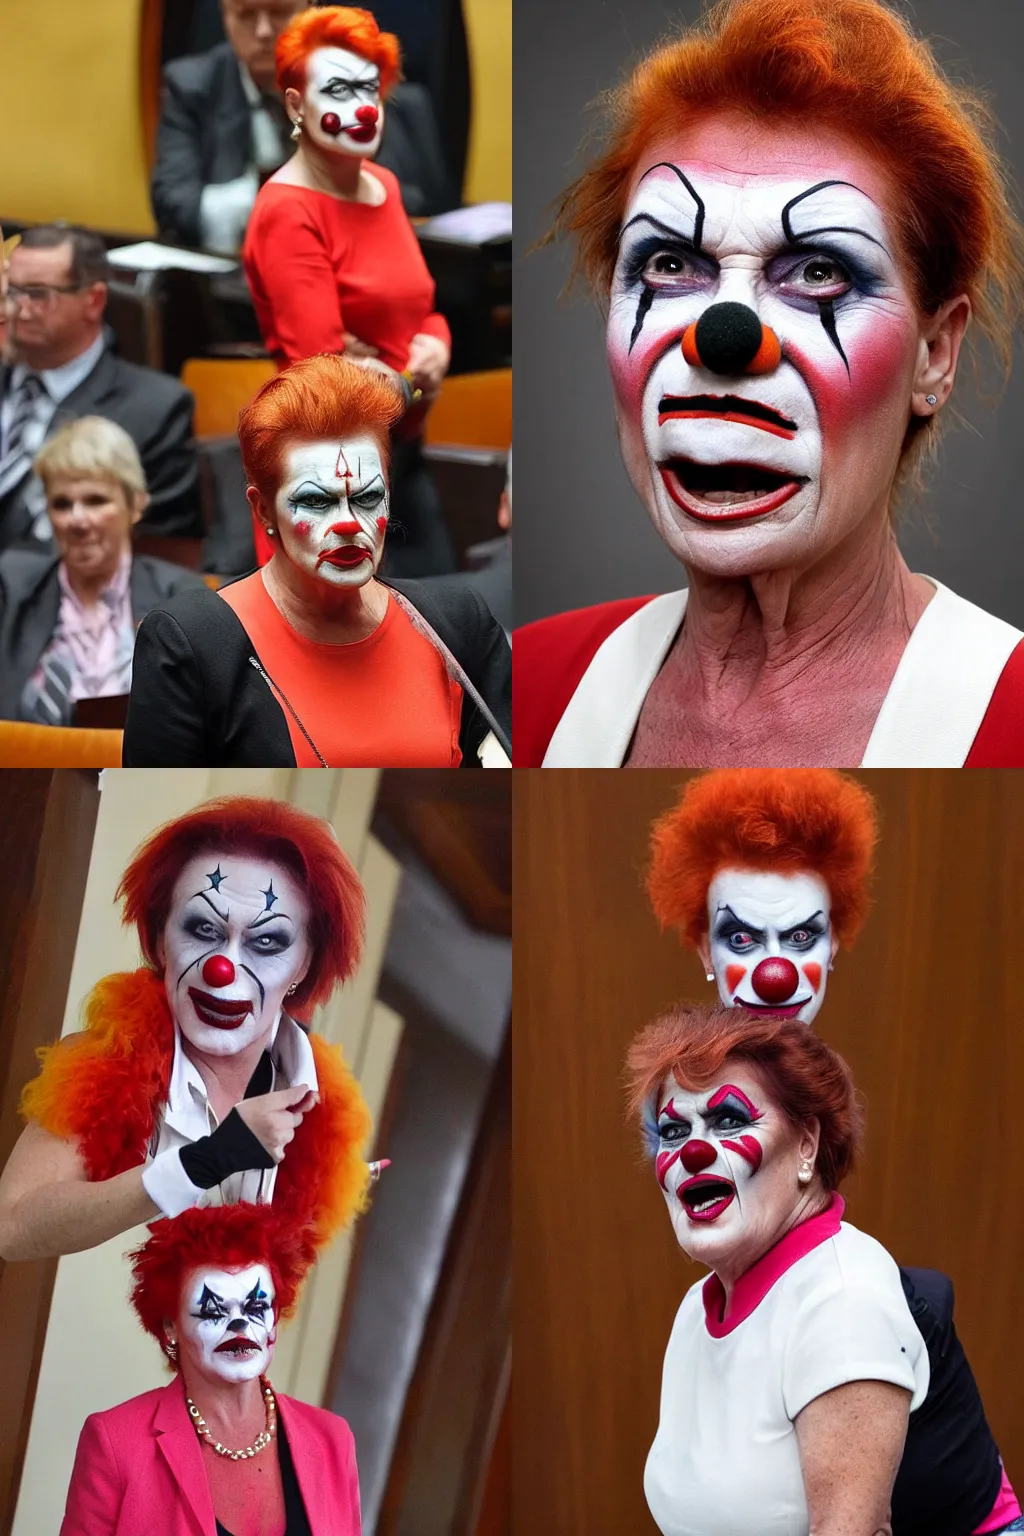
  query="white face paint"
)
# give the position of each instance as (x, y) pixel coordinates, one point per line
(235, 941)
(770, 938)
(332, 509)
(747, 471)
(227, 1326)
(727, 1161)
(341, 105)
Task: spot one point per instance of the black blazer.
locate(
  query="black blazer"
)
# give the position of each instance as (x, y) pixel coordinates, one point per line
(30, 605)
(202, 698)
(156, 412)
(205, 137)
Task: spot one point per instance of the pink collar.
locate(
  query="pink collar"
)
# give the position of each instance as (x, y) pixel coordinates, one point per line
(751, 1288)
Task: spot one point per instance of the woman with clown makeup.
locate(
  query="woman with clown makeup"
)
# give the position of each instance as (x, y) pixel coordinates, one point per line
(314, 659)
(765, 874)
(216, 1450)
(331, 258)
(192, 1084)
(795, 220)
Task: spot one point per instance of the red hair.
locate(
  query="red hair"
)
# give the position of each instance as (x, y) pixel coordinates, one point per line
(303, 844)
(319, 398)
(224, 1237)
(763, 818)
(805, 1079)
(852, 66)
(337, 26)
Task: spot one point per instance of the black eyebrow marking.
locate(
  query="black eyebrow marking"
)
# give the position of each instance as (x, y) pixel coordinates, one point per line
(698, 223)
(268, 917)
(826, 307)
(805, 922)
(204, 897)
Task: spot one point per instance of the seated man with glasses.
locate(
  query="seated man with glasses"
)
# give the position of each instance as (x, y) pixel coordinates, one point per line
(59, 368)
(223, 130)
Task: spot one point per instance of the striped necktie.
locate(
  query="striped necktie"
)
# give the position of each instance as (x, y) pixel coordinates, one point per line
(50, 703)
(25, 403)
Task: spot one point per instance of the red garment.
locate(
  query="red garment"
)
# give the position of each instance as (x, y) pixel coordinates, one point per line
(318, 266)
(551, 655)
(383, 702)
(139, 1467)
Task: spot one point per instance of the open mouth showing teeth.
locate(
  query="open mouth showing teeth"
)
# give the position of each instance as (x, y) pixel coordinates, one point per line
(705, 1198)
(716, 493)
(241, 1348)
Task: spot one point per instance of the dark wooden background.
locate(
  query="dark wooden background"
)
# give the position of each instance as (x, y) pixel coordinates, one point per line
(928, 1009)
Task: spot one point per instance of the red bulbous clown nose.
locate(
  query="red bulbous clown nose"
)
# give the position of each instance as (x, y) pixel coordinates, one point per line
(218, 971)
(330, 122)
(367, 116)
(696, 1156)
(729, 339)
(774, 979)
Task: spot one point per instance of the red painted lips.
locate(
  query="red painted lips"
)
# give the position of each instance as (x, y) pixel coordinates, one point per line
(348, 556)
(705, 1197)
(221, 1012)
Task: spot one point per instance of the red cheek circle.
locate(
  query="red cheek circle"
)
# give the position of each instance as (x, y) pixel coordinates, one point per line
(303, 528)
(813, 973)
(875, 350)
(382, 523)
(734, 974)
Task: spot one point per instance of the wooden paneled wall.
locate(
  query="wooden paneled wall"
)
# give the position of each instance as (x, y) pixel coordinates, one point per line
(928, 1009)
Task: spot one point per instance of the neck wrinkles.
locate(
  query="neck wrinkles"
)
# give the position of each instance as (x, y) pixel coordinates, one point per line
(729, 1298)
(852, 610)
(319, 612)
(234, 1411)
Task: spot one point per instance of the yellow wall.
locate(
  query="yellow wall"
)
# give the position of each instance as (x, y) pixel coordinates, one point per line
(72, 138)
(489, 167)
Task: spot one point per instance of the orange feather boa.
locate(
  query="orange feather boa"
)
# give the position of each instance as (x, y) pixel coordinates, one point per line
(104, 1089)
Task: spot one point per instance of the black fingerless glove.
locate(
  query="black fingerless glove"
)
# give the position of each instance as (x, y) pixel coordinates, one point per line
(231, 1148)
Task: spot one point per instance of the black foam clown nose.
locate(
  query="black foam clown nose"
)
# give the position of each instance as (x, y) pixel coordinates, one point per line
(730, 339)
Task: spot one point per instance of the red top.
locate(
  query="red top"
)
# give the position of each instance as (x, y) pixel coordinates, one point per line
(318, 266)
(383, 702)
(551, 655)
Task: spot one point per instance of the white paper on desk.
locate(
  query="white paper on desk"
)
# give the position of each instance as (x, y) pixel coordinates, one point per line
(148, 256)
(474, 225)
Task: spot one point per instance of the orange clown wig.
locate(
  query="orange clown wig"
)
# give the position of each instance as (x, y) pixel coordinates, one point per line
(335, 26)
(226, 1237)
(320, 398)
(788, 819)
(850, 67)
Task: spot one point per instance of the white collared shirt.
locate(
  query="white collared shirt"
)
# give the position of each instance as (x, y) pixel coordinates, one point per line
(188, 1115)
(58, 383)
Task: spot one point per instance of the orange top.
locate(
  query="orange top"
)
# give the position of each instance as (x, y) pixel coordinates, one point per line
(383, 702)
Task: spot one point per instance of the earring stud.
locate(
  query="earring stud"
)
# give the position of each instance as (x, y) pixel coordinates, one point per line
(711, 975)
(804, 1175)
(931, 400)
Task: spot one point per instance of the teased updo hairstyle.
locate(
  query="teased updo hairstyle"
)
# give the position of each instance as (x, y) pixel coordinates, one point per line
(271, 829)
(225, 1237)
(335, 26)
(323, 398)
(786, 819)
(804, 1078)
(855, 67)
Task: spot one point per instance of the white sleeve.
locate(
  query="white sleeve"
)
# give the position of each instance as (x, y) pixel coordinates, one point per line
(168, 1185)
(853, 1333)
(224, 209)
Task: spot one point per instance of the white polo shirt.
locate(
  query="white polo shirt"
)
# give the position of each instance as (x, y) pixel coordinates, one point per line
(822, 1308)
(188, 1115)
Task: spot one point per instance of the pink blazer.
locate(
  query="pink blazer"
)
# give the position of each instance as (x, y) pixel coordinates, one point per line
(142, 1462)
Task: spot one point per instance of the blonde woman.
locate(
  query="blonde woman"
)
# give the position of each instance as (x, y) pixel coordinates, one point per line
(68, 619)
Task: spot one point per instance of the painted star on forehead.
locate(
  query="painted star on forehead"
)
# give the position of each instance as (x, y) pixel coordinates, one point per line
(271, 896)
(215, 879)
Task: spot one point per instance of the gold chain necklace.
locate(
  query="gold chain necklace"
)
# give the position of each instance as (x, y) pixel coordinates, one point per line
(262, 1440)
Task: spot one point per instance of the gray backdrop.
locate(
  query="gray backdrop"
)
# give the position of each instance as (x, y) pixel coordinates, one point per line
(581, 535)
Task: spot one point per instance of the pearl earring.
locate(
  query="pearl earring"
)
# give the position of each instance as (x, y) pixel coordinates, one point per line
(270, 532)
(711, 975)
(804, 1175)
(297, 128)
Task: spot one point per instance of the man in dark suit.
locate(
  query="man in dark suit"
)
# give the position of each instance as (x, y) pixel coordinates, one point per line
(223, 127)
(59, 368)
